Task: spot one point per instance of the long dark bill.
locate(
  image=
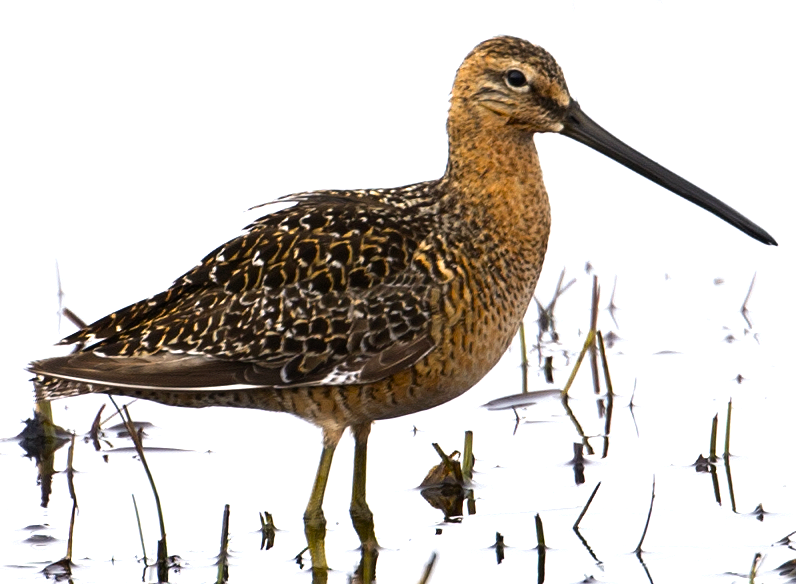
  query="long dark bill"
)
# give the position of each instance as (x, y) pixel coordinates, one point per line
(582, 128)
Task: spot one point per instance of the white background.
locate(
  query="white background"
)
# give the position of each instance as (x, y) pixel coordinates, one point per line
(133, 137)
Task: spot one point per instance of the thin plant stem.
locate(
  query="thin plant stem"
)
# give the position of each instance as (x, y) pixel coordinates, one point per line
(595, 300)
(586, 507)
(713, 433)
(223, 564)
(140, 531)
(427, 570)
(647, 524)
(540, 533)
(468, 458)
(523, 357)
(609, 386)
(587, 343)
(727, 430)
(162, 559)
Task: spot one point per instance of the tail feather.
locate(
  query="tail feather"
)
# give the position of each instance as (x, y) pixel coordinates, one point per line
(85, 372)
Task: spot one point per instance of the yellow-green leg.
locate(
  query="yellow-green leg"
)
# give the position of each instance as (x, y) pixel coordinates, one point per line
(361, 515)
(314, 521)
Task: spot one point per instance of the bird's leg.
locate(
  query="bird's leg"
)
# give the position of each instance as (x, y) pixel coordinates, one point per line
(360, 513)
(314, 521)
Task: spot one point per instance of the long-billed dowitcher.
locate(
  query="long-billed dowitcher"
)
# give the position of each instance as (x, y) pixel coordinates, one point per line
(355, 306)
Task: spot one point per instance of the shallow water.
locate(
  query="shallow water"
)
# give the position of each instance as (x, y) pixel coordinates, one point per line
(676, 364)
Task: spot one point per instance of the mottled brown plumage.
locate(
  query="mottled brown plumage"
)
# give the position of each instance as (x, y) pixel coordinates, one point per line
(353, 306)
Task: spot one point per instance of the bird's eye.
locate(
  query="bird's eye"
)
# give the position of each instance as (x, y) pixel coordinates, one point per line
(516, 78)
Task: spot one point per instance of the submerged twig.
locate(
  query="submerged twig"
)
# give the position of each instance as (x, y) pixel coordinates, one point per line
(578, 427)
(647, 524)
(70, 473)
(428, 569)
(632, 405)
(756, 561)
(595, 300)
(606, 373)
(96, 428)
(541, 549)
(714, 477)
(450, 465)
(612, 306)
(587, 343)
(548, 369)
(163, 556)
(223, 562)
(64, 311)
(586, 507)
(713, 434)
(268, 531)
(546, 319)
(62, 569)
(730, 488)
(73, 318)
(140, 531)
(499, 547)
(609, 408)
(744, 306)
(523, 357)
(727, 431)
(540, 543)
(577, 524)
(468, 460)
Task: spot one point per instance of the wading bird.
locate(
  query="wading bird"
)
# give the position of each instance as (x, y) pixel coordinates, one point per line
(355, 306)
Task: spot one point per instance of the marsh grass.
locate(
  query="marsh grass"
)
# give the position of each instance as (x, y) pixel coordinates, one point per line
(162, 562)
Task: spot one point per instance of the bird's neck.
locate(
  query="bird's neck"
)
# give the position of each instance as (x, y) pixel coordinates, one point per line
(495, 177)
(494, 188)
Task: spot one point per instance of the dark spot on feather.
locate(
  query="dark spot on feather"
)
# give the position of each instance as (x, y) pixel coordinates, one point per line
(153, 338)
(289, 271)
(221, 273)
(172, 334)
(338, 345)
(313, 221)
(340, 327)
(254, 274)
(368, 252)
(378, 268)
(340, 252)
(306, 251)
(236, 283)
(232, 248)
(273, 343)
(274, 279)
(291, 369)
(381, 338)
(358, 278)
(321, 282)
(301, 328)
(315, 345)
(319, 326)
(268, 251)
(337, 278)
(417, 320)
(291, 345)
